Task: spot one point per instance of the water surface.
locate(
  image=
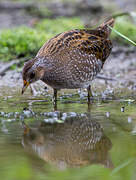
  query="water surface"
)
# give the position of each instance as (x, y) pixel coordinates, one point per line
(73, 143)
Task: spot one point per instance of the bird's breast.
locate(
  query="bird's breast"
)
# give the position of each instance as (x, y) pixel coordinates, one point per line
(76, 74)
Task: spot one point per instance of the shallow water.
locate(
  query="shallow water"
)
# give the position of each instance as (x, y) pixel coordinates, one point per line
(76, 142)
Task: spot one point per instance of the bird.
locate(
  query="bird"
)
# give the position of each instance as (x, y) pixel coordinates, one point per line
(71, 59)
(76, 142)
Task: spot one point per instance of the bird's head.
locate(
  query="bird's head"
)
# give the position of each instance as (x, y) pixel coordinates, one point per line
(31, 73)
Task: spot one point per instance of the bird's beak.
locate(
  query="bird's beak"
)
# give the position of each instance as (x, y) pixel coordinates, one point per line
(26, 84)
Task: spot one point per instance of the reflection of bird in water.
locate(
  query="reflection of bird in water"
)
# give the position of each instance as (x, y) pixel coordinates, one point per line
(77, 142)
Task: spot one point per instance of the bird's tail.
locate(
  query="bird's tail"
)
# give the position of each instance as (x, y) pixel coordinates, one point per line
(105, 26)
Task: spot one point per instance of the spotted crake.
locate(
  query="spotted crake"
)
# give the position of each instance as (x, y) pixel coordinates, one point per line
(71, 59)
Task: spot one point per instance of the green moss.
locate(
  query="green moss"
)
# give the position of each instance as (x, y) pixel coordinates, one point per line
(126, 27)
(25, 41)
(20, 42)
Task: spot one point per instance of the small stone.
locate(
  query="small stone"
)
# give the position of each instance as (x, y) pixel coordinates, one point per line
(2, 113)
(107, 114)
(11, 120)
(27, 113)
(52, 114)
(73, 114)
(122, 109)
(129, 119)
(46, 120)
(82, 114)
(55, 119)
(64, 116)
(9, 97)
(50, 120)
(45, 114)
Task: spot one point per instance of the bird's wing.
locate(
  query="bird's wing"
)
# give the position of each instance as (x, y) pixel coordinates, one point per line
(82, 42)
(85, 41)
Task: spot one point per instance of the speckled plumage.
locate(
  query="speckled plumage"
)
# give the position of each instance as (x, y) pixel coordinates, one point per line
(76, 142)
(72, 59)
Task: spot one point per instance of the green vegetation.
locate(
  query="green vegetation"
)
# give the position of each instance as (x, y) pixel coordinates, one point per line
(20, 42)
(126, 27)
(25, 41)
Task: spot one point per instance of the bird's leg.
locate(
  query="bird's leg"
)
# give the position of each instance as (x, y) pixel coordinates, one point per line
(55, 99)
(89, 94)
(55, 95)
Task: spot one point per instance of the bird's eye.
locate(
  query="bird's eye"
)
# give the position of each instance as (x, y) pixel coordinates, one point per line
(32, 75)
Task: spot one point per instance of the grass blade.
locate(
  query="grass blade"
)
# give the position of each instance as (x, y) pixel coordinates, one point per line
(123, 165)
(123, 36)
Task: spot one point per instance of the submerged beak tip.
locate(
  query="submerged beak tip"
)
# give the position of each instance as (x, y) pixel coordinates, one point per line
(22, 91)
(26, 84)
